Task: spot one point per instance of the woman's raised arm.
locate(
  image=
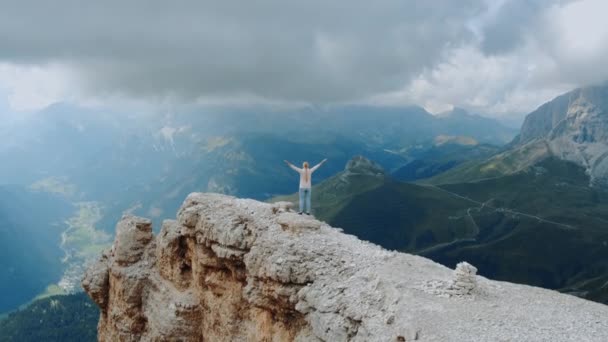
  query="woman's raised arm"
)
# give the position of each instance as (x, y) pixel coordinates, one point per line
(314, 168)
(292, 166)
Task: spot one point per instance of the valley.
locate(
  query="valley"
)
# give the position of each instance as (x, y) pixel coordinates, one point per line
(30, 230)
(81, 243)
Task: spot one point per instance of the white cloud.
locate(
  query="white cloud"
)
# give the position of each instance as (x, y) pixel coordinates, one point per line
(576, 38)
(563, 48)
(30, 88)
(496, 85)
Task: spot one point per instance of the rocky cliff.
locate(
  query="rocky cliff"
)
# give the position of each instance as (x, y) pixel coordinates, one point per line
(232, 269)
(360, 165)
(573, 127)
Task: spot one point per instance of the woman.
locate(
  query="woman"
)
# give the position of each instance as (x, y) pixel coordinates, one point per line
(305, 183)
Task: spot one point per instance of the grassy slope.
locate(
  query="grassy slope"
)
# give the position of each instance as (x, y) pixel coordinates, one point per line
(571, 255)
(505, 163)
(395, 215)
(404, 217)
(440, 158)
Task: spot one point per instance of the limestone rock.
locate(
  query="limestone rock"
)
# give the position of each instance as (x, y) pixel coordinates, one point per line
(464, 282)
(232, 269)
(362, 165)
(572, 127)
(96, 282)
(132, 235)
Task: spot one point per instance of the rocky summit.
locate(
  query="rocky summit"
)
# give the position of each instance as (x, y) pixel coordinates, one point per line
(363, 166)
(231, 269)
(573, 127)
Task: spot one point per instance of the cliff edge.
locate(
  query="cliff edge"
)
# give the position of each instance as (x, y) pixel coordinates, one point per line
(240, 270)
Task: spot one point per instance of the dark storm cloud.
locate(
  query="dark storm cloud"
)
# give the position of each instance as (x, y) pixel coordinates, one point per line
(317, 51)
(509, 25)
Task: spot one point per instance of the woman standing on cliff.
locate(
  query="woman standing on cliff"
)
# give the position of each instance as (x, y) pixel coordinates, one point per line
(305, 183)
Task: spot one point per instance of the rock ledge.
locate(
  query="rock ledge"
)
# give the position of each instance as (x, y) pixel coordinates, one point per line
(232, 269)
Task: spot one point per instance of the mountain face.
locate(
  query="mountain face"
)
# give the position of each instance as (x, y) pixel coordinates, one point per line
(582, 135)
(581, 115)
(541, 226)
(239, 270)
(484, 130)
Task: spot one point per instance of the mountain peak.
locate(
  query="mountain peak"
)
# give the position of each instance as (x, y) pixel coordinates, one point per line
(455, 113)
(574, 127)
(362, 165)
(232, 269)
(457, 140)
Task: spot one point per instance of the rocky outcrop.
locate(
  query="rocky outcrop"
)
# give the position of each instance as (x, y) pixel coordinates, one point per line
(360, 165)
(232, 269)
(573, 127)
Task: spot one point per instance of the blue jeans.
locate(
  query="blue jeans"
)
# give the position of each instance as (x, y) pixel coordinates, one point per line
(305, 199)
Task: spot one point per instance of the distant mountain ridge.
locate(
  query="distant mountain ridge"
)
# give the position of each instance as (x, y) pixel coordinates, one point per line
(489, 130)
(440, 155)
(147, 164)
(572, 127)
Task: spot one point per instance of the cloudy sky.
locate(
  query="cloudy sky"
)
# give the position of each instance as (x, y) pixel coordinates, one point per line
(497, 57)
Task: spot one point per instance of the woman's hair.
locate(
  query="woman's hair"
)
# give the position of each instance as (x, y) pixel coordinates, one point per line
(306, 173)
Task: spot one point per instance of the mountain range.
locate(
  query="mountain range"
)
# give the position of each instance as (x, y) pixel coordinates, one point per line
(102, 164)
(450, 187)
(532, 212)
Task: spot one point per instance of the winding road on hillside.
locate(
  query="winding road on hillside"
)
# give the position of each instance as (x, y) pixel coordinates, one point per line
(507, 210)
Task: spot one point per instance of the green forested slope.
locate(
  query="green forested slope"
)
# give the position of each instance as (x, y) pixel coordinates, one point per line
(58, 318)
